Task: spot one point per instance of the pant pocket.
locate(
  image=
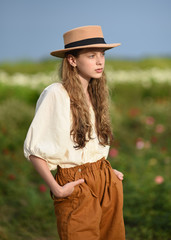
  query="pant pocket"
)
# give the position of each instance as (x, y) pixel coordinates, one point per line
(86, 185)
(92, 192)
(74, 194)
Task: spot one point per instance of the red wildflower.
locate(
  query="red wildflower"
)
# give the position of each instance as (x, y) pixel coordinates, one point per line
(164, 149)
(113, 152)
(139, 143)
(11, 177)
(160, 128)
(133, 112)
(159, 179)
(149, 120)
(42, 188)
(154, 139)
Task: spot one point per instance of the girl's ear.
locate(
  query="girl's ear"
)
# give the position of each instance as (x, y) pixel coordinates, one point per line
(72, 60)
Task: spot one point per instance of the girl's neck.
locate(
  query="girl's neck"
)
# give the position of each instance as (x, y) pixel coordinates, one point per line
(84, 83)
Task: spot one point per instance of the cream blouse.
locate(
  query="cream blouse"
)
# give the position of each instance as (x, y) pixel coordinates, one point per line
(49, 137)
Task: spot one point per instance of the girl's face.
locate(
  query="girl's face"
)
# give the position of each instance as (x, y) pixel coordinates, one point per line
(89, 62)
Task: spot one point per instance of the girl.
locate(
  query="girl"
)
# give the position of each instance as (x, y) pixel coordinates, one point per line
(71, 132)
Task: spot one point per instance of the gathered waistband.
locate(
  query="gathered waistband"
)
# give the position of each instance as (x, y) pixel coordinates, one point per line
(81, 168)
(64, 175)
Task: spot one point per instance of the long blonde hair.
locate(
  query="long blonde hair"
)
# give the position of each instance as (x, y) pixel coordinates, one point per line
(98, 91)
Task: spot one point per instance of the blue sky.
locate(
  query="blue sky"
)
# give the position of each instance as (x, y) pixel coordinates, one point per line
(30, 29)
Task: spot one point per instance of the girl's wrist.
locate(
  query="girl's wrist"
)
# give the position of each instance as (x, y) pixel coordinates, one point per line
(57, 190)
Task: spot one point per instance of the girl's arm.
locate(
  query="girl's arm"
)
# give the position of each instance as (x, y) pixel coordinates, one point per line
(59, 191)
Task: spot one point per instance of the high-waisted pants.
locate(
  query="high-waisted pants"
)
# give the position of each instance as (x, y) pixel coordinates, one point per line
(94, 209)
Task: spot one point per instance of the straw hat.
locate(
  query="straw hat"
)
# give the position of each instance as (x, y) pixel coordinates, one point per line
(83, 37)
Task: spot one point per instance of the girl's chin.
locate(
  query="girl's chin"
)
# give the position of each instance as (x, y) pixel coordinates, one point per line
(97, 75)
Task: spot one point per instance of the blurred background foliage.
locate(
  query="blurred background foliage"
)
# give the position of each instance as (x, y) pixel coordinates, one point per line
(140, 115)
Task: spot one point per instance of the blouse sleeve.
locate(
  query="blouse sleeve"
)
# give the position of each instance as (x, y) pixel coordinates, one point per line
(49, 131)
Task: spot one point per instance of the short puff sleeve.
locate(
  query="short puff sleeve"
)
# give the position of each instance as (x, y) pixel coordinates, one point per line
(49, 131)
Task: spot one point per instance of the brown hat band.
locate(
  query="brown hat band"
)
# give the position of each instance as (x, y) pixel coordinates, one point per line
(85, 42)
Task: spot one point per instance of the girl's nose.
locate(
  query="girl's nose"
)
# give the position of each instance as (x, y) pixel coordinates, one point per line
(99, 60)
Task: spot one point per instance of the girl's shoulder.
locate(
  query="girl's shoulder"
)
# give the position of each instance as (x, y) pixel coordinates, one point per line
(54, 94)
(57, 89)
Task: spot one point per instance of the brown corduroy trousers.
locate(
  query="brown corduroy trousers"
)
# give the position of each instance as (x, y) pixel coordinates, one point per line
(94, 209)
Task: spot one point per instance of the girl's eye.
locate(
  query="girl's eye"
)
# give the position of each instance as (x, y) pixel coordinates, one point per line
(91, 56)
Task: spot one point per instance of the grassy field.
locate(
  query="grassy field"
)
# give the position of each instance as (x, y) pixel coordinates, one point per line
(140, 109)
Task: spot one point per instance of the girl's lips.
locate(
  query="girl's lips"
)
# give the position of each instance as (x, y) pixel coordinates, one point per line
(99, 70)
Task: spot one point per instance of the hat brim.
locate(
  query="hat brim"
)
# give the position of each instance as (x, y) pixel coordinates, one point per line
(61, 53)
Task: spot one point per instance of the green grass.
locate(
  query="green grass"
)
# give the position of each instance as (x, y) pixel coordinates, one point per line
(47, 66)
(27, 213)
(29, 67)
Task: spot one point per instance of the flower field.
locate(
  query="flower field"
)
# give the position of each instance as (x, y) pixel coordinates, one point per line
(140, 107)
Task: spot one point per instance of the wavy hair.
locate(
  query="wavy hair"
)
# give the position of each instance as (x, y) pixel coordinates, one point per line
(98, 91)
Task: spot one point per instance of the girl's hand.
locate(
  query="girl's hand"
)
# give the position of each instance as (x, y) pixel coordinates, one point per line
(68, 188)
(118, 174)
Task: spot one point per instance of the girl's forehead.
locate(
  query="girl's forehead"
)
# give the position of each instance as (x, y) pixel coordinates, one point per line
(87, 50)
